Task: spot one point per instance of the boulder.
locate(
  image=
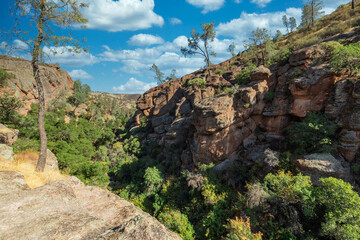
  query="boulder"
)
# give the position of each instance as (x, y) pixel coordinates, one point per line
(261, 73)
(322, 165)
(6, 153)
(8, 136)
(51, 161)
(68, 209)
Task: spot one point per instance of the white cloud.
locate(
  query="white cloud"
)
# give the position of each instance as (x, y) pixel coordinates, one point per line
(241, 27)
(80, 74)
(18, 44)
(207, 5)
(116, 16)
(145, 40)
(134, 86)
(261, 3)
(64, 57)
(166, 56)
(238, 1)
(3, 45)
(175, 21)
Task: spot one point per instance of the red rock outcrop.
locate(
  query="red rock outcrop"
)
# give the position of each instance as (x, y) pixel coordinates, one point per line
(211, 126)
(55, 80)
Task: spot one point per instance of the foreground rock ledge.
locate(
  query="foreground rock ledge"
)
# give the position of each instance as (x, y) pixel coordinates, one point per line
(70, 210)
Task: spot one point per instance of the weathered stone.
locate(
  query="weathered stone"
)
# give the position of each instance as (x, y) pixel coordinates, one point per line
(8, 136)
(302, 56)
(163, 120)
(311, 90)
(70, 210)
(213, 114)
(260, 73)
(321, 166)
(23, 85)
(51, 161)
(6, 153)
(11, 182)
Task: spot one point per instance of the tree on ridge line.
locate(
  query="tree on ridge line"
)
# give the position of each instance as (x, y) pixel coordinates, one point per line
(206, 37)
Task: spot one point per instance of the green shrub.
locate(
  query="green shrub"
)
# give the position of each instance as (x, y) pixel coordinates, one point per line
(269, 96)
(230, 90)
(314, 134)
(4, 75)
(153, 180)
(243, 77)
(177, 222)
(329, 47)
(198, 82)
(282, 56)
(240, 229)
(8, 108)
(289, 188)
(346, 57)
(219, 71)
(340, 206)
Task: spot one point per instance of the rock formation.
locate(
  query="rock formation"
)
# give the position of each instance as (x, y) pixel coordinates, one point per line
(56, 81)
(208, 125)
(70, 210)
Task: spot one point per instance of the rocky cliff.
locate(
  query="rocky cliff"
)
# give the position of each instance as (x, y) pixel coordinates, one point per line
(208, 125)
(68, 209)
(55, 80)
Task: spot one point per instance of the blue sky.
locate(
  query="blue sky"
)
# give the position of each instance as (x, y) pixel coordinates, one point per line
(125, 37)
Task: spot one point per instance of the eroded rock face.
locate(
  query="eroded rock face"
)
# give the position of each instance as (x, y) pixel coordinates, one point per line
(70, 210)
(215, 125)
(55, 80)
(8, 136)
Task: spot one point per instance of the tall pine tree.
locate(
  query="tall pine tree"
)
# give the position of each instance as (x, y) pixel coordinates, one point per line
(311, 12)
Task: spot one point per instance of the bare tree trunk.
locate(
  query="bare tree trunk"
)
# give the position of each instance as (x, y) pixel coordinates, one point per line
(353, 4)
(41, 119)
(40, 88)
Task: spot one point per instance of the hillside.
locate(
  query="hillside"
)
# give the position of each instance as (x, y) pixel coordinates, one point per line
(22, 84)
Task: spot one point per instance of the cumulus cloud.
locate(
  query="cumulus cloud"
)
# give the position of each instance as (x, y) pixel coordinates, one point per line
(134, 86)
(116, 16)
(18, 44)
(3, 45)
(261, 3)
(80, 74)
(145, 40)
(175, 21)
(207, 5)
(240, 28)
(166, 56)
(65, 57)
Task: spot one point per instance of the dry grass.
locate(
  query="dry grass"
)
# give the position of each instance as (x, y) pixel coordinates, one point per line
(25, 163)
(343, 20)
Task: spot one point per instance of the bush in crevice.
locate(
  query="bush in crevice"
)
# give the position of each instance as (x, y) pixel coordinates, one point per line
(315, 134)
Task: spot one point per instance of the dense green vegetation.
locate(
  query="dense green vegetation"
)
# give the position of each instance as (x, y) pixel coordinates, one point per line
(315, 134)
(81, 143)
(5, 75)
(198, 82)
